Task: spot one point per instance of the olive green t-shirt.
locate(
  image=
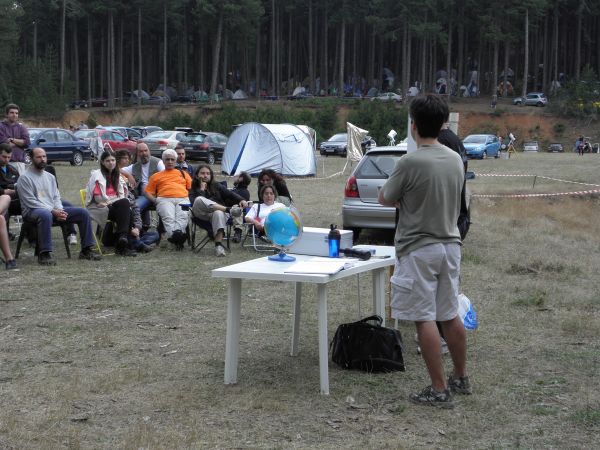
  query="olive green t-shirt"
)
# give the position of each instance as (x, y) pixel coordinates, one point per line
(426, 186)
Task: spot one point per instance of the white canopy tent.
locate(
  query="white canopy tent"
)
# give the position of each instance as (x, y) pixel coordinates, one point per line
(285, 148)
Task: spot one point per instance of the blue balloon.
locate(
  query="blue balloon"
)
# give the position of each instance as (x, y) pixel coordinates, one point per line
(283, 226)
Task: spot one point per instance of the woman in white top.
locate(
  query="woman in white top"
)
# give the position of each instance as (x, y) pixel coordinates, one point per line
(259, 212)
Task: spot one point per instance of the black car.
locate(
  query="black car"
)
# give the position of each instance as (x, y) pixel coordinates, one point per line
(60, 145)
(556, 147)
(204, 146)
(338, 143)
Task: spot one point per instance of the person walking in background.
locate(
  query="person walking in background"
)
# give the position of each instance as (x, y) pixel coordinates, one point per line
(14, 133)
(426, 187)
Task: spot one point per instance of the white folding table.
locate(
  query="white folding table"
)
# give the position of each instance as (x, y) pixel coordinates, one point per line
(263, 269)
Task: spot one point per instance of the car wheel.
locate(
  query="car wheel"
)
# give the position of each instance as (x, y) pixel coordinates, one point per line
(484, 155)
(27, 158)
(77, 159)
(497, 155)
(540, 104)
(211, 158)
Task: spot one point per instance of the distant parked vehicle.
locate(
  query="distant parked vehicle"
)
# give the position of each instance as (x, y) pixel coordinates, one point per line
(388, 97)
(116, 140)
(556, 147)
(60, 145)
(145, 130)
(531, 146)
(338, 143)
(205, 146)
(159, 141)
(131, 133)
(482, 146)
(99, 102)
(532, 99)
(76, 104)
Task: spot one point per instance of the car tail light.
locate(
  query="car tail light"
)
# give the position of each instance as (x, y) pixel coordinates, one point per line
(163, 142)
(351, 188)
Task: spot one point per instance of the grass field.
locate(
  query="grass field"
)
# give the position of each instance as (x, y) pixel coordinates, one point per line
(128, 353)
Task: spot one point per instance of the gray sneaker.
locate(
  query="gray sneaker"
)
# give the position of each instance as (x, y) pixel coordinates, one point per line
(460, 385)
(220, 250)
(430, 397)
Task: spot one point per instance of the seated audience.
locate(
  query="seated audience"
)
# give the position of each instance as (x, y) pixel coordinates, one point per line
(167, 189)
(182, 164)
(139, 173)
(9, 261)
(269, 176)
(106, 199)
(240, 185)
(259, 211)
(213, 202)
(41, 204)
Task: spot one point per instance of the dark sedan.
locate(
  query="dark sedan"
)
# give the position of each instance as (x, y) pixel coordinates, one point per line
(338, 144)
(206, 146)
(60, 145)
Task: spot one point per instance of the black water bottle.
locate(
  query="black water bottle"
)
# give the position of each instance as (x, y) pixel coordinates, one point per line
(334, 239)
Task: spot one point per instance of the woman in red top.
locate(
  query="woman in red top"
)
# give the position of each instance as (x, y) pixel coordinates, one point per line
(106, 199)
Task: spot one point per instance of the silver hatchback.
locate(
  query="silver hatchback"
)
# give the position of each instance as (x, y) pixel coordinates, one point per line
(360, 208)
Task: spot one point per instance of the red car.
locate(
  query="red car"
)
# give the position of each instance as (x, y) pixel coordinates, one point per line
(111, 137)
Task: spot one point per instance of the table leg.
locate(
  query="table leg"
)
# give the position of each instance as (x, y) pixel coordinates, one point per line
(232, 341)
(296, 320)
(379, 292)
(323, 347)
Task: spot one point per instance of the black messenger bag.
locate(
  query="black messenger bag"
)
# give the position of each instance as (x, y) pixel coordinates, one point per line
(369, 347)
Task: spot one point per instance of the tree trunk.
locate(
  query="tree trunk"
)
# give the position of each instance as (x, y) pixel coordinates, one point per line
(111, 60)
(291, 84)
(342, 57)
(120, 62)
(185, 49)
(555, 44)
(165, 47)
(311, 45)
(578, 31)
(76, 59)
(63, 25)
(215, 59)
(505, 78)
(495, 67)
(461, 49)
(224, 69)
(325, 56)
(35, 39)
(545, 56)
(449, 59)
(526, 58)
(89, 60)
(371, 60)
(140, 66)
(257, 62)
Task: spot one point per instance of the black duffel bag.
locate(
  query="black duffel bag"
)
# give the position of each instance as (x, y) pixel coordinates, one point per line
(369, 347)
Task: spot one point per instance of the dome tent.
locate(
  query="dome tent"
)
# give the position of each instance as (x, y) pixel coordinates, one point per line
(284, 148)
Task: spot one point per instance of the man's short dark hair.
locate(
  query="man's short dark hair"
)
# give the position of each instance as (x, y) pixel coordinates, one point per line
(4, 147)
(11, 106)
(429, 113)
(246, 179)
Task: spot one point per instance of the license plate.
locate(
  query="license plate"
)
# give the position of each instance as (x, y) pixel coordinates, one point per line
(330, 150)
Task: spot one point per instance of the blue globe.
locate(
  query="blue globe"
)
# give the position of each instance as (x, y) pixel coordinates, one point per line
(283, 226)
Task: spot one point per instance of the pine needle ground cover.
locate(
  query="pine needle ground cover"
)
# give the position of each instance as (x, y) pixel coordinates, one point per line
(129, 352)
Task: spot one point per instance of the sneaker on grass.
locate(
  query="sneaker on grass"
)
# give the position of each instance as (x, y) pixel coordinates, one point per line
(89, 254)
(430, 397)
(220, 250)
(460, 385)
(72, 239)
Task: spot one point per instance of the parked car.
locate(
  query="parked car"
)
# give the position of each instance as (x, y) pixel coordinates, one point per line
(531, 146)
(532, 99)
(159, 141)
(209, 147)
(556, 147)
(111, 137)
(360, 208)
(388, 97)
(131, 133)
(482, 145)
(60, 145)
(76, 104)
(99, 102)
(338, 143)
(145, 130)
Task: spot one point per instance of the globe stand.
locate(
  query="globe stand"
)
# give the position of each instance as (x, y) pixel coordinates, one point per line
(282, 257)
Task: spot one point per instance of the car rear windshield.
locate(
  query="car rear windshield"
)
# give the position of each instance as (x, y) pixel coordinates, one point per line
(475, 139)
(196, 138)
(376, 166)
(338, 137)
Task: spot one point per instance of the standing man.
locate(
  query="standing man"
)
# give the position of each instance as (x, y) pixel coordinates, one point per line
(138, 175)
(14, 133)
(425, 186)
(41, 204)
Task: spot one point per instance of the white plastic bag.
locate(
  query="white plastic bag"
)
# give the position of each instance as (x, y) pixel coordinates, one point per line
(467, 313)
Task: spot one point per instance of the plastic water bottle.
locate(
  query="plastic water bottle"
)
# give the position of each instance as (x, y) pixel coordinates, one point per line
(334, 239)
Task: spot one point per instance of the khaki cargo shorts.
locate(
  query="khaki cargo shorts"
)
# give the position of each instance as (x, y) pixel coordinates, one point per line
(425, 284)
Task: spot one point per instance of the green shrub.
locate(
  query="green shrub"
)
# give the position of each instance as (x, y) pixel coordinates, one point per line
(559, 128)
(379, 118)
